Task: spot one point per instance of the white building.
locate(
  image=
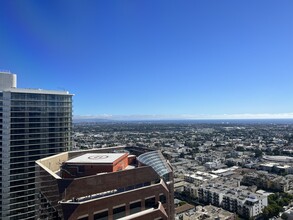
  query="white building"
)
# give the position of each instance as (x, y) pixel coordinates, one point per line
(199, 177)
(7, 80)
(236, 200)
(34, 123)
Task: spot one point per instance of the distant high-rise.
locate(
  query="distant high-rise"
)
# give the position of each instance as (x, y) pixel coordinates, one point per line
(34, 123)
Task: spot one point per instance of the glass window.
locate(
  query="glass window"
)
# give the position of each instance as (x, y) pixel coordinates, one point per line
(101, 215)
(150, 203)
(162, 198)
(119, 212)
(135, 207)
(81, 169)
(156, 160)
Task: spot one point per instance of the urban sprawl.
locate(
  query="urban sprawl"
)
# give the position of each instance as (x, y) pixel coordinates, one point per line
(223, 170)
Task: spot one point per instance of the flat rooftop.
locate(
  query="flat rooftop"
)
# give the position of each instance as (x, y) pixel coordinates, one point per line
(37, 91)
(96, 158)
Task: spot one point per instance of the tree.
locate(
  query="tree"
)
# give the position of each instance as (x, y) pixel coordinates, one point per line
(257, 153)
(284, 216)
(181, 155)
(275, 204)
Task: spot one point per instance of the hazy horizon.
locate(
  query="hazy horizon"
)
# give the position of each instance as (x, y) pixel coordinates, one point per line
(186, 117)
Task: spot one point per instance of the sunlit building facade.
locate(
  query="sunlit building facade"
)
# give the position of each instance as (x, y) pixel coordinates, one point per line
(105, 184)
(34, 123)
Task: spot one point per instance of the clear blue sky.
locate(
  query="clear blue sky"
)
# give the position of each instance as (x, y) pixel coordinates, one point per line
(195, 57)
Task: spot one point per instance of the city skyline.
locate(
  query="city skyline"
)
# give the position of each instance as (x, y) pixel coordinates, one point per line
(155, 60)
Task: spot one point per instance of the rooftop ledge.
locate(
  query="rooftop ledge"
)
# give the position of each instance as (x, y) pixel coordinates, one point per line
(102, 195)
(38, 91)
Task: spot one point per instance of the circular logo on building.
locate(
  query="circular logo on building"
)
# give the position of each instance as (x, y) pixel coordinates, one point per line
(98, 157)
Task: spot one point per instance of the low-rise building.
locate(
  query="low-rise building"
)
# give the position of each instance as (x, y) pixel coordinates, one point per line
(268, 181)
(208, 212)
(237, 200)
(276, 168)
(199, 177)
(192, 190)
(225, 172)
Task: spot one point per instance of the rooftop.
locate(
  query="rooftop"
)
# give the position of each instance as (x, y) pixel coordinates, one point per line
(97, 158)
(233, 192)
(184, 208)
(38, 91)
(219, 171)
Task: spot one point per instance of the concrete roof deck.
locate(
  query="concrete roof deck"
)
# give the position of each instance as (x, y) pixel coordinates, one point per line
(96, 158)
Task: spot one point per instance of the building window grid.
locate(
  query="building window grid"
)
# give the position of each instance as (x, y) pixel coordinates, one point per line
(66, 122)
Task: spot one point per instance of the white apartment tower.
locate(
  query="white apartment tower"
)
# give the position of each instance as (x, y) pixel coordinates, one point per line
(34, 123)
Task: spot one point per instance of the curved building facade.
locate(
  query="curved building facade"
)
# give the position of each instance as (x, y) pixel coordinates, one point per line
(156, 160)
(102, 184)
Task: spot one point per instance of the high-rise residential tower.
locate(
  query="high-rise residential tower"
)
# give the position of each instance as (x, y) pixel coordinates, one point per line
(34, 123)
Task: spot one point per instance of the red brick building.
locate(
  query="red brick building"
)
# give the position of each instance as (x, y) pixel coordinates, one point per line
(94, 163)
(100, 184)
